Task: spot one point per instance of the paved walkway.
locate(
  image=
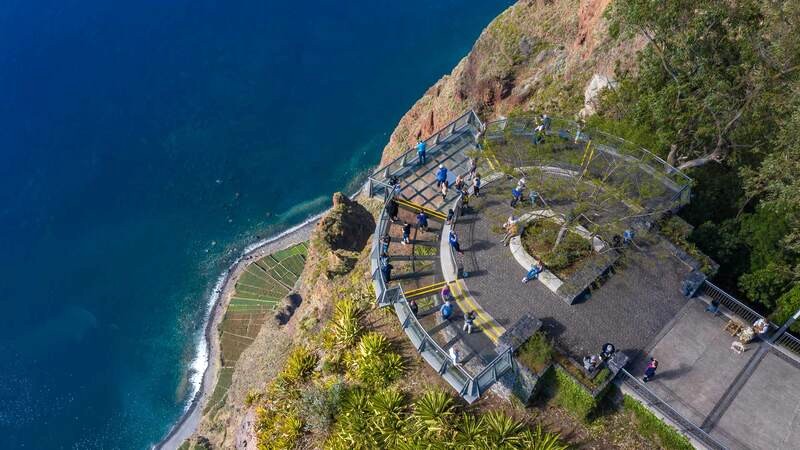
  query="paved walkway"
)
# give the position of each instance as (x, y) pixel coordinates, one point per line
(629, 310)
(744, 401)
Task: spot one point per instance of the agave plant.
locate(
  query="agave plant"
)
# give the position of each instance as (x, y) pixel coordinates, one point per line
(299, 365)
(345, 327)
(433, 414)
(539, 439)
(470, 432)
(503, 431)
(388, 411)
(373, 361)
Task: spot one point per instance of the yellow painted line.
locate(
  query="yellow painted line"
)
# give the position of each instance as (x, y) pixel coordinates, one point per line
(425, 289)
(483, 320)
(430, 212)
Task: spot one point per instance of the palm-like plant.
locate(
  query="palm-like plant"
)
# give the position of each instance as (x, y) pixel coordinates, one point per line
(470, 432)
(388, 421)
(503, 431)
(433, 414)
(539, 439)
(345, 327)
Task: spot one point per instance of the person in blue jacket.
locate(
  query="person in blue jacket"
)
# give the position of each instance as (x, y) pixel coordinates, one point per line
(516, 196)
(421, 151)
(454, 242)
(447, 310)
(441, 176)
(422, 221)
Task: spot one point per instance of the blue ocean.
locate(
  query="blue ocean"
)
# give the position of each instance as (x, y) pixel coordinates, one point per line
(143, 145)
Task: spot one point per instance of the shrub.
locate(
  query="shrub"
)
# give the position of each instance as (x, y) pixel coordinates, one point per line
(650, 426)
(388, 412)
(252, 397)
(276, 430)
(433, 414)
(503, 431)
(536, 353)
(373, 362)
(345, 326)
(541, 440)
(299, 365)
(320, 403)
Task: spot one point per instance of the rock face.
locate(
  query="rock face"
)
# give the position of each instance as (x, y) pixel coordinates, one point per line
(596, 85)
(341, 234)
(537, 55)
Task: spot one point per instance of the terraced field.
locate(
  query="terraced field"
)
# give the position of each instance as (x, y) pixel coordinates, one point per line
(258, 291)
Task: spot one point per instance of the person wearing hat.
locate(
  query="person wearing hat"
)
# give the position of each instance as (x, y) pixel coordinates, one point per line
(441, 175)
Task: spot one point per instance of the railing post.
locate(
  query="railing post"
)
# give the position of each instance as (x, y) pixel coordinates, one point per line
(785, 326)
(404, 162)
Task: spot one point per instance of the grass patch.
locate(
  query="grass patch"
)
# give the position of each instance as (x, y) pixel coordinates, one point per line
(425, 250)
(652, 427)
(221, 389)
(536, 353)
(568, 394)
(538, 239)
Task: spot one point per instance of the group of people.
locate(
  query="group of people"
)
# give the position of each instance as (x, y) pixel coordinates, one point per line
(446, 310)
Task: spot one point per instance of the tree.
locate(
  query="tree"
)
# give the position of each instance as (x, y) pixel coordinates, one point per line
(712, 79)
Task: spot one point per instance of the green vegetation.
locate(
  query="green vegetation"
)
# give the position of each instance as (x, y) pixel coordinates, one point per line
(676, 231)
(425, 250)
(358, 398)
(540, 236)
(717, 93)
(258, 291)
(536, 353)
(570, 395)
(652, 427)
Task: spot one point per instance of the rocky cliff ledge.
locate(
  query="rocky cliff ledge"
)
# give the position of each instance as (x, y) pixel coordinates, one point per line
(544, 55)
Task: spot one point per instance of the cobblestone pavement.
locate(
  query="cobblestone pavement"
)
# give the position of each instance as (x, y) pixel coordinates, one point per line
(628, 310)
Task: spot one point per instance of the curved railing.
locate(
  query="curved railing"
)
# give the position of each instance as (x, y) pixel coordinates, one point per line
(469, 386)
(613, 146)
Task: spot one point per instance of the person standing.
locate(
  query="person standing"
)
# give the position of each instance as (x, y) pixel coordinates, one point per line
(406, 233)
(473, 166)
(444, 191)
(386, 270)
(386, 240)
(393, 209)
(512, 229)
(454, 242)
(469, 319)
(516, 195)
(650, 371)
(441, 175)
(459, 185)
(422, 221)
(412, 304)
(455, 356)
(447, 310)
(421, 149)
(476, 185)
(446, 294)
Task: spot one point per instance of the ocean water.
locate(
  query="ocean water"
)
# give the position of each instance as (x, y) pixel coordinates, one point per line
(143, 145)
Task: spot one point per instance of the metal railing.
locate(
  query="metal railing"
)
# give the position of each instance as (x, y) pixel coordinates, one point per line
(468, 386)
(648, 166)
(654, 401)
(730, 303)
(789, 342)
(468, 122)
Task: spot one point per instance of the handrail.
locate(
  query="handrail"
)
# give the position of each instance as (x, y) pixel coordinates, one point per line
(735, 306)
(411, 150)
(642, 150)
(686, 424)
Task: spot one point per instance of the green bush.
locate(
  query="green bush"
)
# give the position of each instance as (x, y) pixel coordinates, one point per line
(536, 353)
(787, 305)
(373, 361)
(277, 430)
(299, 365)
(345, 326)
(320, 403)
(572, 396)
(650, 426)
